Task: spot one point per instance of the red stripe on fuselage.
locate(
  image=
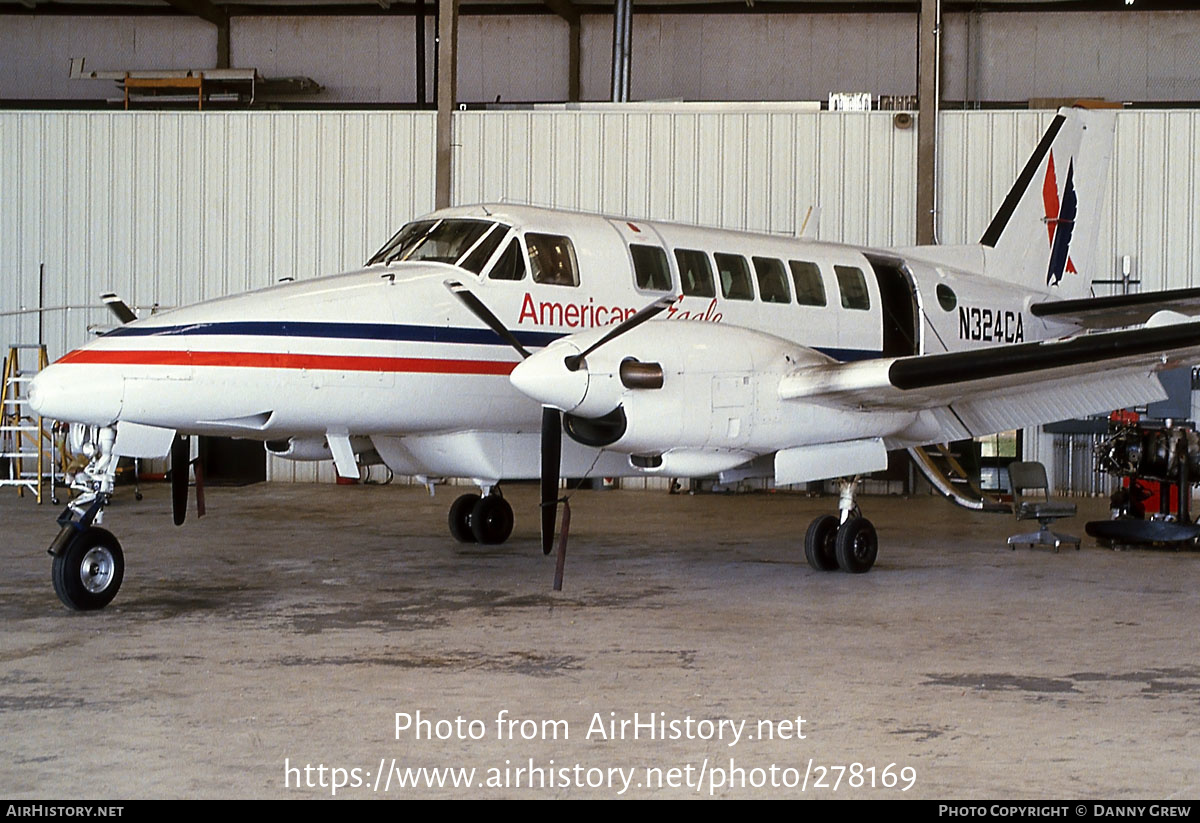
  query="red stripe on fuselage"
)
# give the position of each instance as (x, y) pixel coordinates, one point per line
(274, 360)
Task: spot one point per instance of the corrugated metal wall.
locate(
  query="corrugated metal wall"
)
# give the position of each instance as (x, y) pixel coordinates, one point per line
(754, 167)
(175, 208)
(170, 208)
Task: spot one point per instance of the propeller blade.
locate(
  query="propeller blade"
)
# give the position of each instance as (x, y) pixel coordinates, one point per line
(485, 314)
(118, 307)
(551, 466)
(657, 307)
(180, 457)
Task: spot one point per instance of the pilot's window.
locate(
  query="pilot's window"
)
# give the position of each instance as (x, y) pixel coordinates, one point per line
(810, 289)
(695, 274)
(445, 242)
(853, 286)
(510, 265)
(772, 280)
(735, 276)
(401, 240)
(477, 258)
(651, 270)
(552, 259)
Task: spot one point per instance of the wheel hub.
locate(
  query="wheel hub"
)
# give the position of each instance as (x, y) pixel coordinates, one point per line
(96, 570)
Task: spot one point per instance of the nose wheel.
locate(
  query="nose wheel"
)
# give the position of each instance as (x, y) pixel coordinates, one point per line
(88, 571)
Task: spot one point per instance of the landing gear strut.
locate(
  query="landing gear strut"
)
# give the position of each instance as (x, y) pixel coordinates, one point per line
(847, 542)
(88, 562)
(486, 519)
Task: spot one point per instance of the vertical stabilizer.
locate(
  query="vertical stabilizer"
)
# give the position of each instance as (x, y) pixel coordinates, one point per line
(1046, 232)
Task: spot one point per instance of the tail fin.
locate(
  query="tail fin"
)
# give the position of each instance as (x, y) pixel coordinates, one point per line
(1046, 233)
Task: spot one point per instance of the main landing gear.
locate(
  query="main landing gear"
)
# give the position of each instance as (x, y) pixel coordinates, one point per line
(88, 562)
(486, 519)
(847, 542)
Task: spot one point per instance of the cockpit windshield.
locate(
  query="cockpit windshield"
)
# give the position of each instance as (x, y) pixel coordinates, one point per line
(441, 241)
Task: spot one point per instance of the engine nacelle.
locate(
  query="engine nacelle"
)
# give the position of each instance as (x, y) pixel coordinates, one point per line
(690, 399)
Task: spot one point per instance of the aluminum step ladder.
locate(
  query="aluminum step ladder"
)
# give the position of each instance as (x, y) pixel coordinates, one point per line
(26, 449)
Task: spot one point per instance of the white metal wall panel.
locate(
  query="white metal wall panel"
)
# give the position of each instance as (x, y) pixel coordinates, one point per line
(758, 168)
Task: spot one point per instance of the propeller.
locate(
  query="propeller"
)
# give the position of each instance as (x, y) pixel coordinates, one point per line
(574, 362)
(180, 457)
(551, 467)
(118, 307)
(552, 419)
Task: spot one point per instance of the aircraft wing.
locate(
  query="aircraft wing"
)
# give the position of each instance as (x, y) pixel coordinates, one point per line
(973, 393)
(1118, 310)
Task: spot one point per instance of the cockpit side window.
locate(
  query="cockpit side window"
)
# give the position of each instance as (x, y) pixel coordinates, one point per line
(552, 259)
(510, 265)
(695, 273)
(651, 270)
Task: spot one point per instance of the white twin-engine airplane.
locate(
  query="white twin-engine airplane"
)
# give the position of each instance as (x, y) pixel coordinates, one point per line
(766, 356)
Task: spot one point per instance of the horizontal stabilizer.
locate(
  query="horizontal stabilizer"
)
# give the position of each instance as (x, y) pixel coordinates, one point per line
(1118, 310)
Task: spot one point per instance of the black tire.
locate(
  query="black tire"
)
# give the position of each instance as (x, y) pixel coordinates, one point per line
(857, 545)
(460, 518)
(88, 572)
(492, 520)
(820, 543)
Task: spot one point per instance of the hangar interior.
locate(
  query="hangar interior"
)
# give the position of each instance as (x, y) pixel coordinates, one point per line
(167, 206)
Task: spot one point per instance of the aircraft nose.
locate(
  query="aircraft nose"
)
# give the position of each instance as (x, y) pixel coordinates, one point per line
(77, 394)
(545, 377)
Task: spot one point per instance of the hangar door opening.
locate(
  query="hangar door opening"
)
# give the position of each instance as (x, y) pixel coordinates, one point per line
(899, 311)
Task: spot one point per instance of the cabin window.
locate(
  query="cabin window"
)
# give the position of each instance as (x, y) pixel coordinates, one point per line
(477, 258)
(510, 265)
(735, 276)
(772, 280)
(695, 273)
(651, 270)
(552, 259)
(810, 288)
(853, 286)
(946, 297)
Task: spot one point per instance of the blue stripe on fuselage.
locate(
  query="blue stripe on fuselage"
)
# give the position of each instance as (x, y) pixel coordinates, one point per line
(344, 331)
(384, 331)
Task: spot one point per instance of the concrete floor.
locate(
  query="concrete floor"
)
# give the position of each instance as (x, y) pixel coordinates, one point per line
(294, 622)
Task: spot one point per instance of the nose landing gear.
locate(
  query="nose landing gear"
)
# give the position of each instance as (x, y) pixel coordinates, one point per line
(88, 564)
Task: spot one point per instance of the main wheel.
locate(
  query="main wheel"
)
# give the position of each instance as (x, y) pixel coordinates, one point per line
(88, 572)
(857, 545)
(492, 520)
(820, 543)
(460, 518)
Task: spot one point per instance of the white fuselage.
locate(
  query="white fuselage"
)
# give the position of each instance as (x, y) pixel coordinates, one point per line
(388, 356)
